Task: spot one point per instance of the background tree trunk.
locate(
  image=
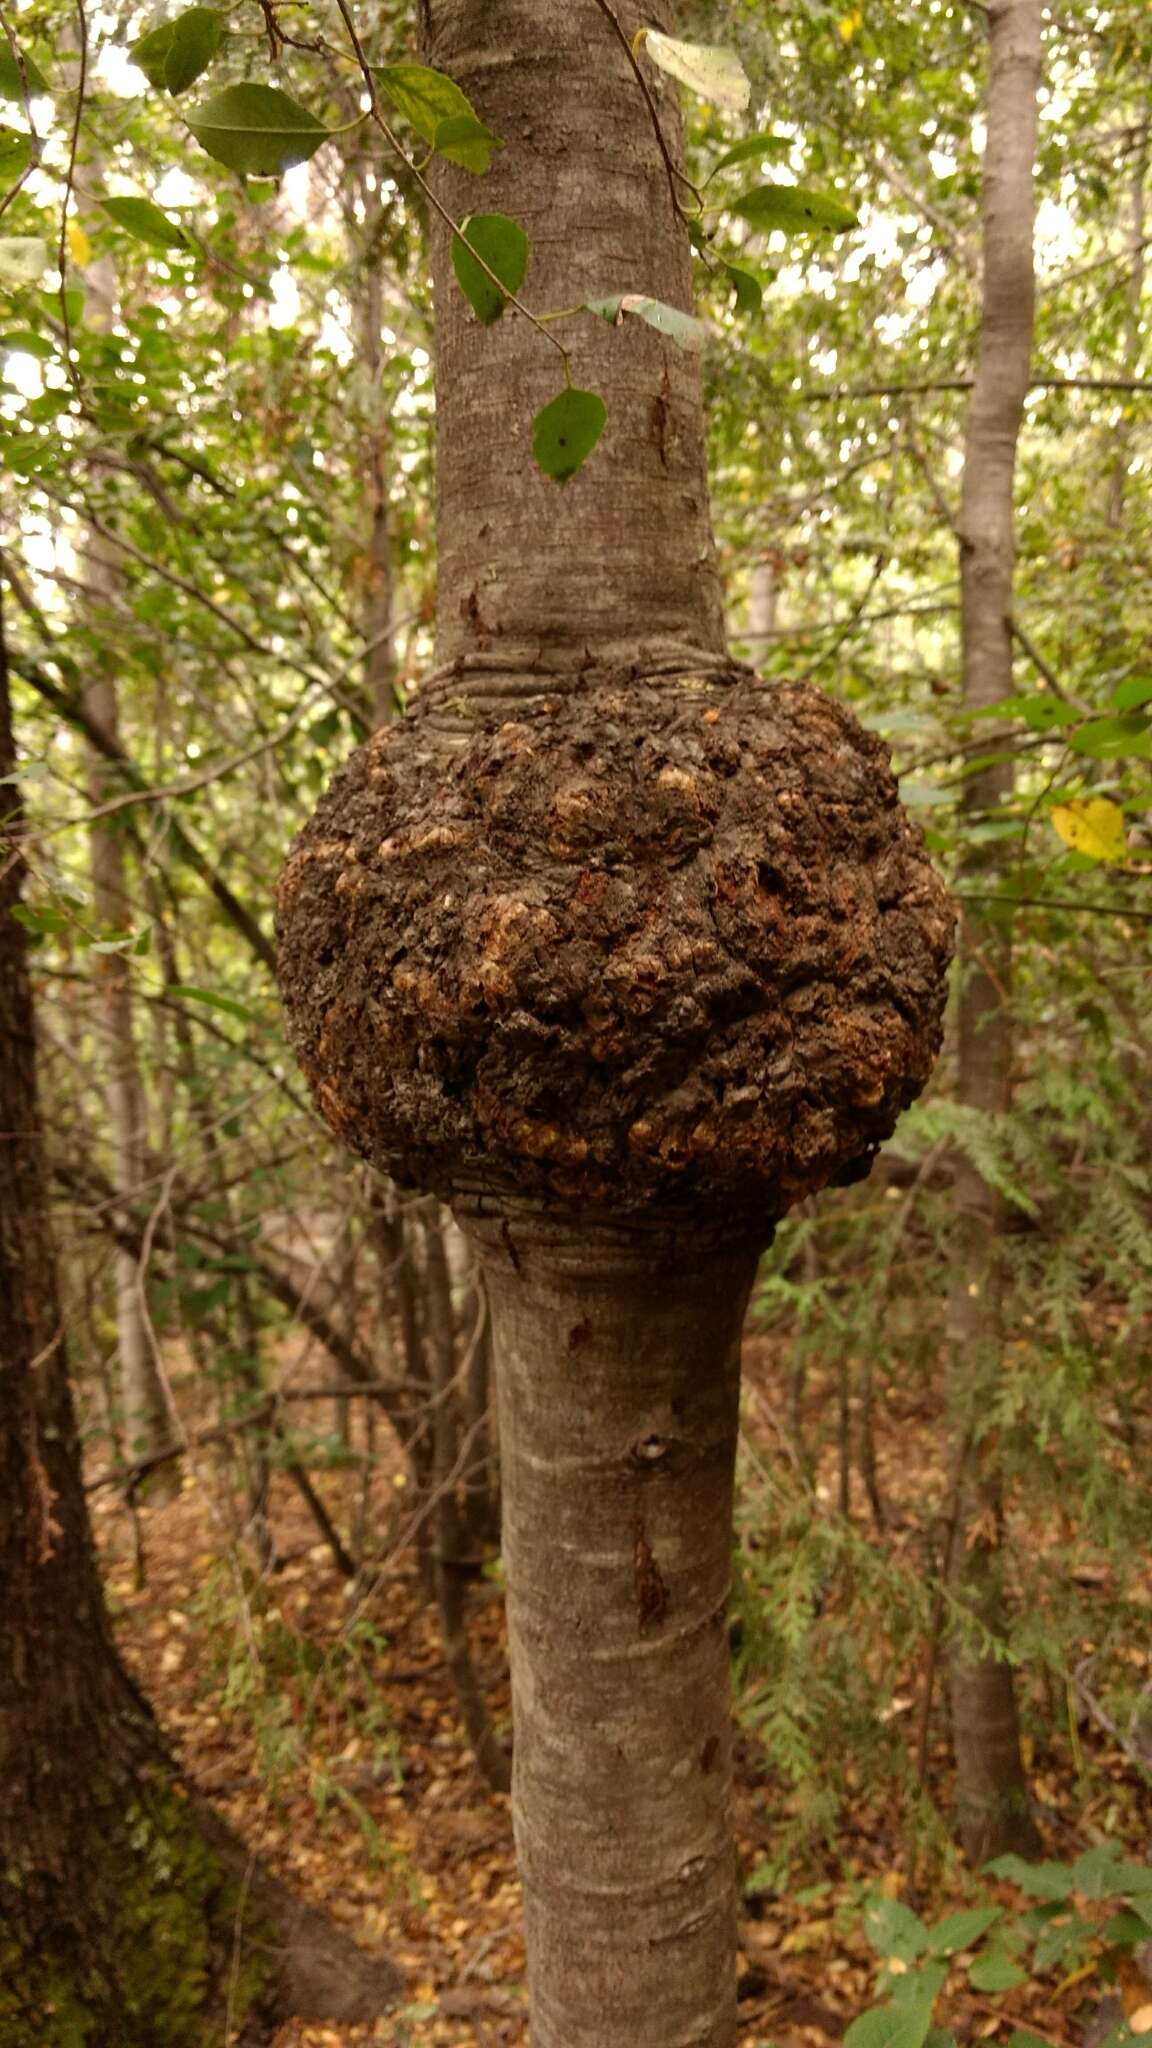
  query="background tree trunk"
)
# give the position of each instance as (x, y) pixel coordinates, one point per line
(120, 1899)
(148, 1426)
(991, 1788)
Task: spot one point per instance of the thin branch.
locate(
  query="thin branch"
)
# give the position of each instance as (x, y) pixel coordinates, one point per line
(1054, 903)
(832, 393)
(421, 181)
(670, 164)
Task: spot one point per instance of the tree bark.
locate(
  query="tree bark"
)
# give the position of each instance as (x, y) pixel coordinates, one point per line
(615, 1385)
(617, 1545)
(516, 947)
(129, 1917)
(991, 1788)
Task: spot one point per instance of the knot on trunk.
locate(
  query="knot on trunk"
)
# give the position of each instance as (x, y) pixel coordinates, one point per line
(670, 945)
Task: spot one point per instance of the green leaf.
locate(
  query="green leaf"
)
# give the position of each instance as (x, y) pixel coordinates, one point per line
(777, 147)
(565, 432)
(748, 289)
(145, 221)
(716, 74)
(1020, 2040)
(1040, 710)
(891, 2026)
(682, 328)
(1113, 739)
(1040, 1880)
(1130, 695)
(213, 1001)
(15, 154)
(40, 921)
(793, 209)
(194, 42)
(11, 84)
(150, 53)
(440, 113)
(503, 245)
(894, 1930)
(23, 258)
(464, 140)
(257, 130)
(22, 341)
(962, 1930)
(995, 1972)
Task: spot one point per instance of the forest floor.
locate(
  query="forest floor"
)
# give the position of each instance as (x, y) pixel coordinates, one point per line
(323, 1725)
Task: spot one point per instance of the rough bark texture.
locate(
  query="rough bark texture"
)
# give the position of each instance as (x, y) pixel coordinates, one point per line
(991, 1788)
(120, 1900)
(677, 944)
(623, 952)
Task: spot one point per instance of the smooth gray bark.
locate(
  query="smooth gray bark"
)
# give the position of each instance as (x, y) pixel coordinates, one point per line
(991, 1788)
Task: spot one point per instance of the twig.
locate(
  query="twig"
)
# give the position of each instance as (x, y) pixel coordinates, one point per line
(421, 181)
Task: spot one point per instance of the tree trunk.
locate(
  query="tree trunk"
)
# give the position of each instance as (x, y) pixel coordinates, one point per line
(991, 1789)
(617, 1545)
(537, 953)
(148, 1425)
(121, 1900)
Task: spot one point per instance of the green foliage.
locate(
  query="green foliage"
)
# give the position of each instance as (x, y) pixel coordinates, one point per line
(490, 259)
(792, 208)
(566, 431)
(257, 129)
(1027, 1944)
(440, 113)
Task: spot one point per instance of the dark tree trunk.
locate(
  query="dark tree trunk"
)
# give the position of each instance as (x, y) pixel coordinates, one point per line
(120, 1898)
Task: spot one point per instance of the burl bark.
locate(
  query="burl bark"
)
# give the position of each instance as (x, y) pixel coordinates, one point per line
(671, 944)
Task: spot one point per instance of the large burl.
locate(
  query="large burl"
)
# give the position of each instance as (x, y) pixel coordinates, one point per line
(659, 945)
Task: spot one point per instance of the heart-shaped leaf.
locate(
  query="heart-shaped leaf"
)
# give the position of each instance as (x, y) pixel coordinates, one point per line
(793, 209)
(682, 328)
(565, 432)
(439, 112)
(502, 245)
(257, 130)
(716, 74)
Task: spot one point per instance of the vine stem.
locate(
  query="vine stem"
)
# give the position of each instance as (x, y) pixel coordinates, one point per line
(397, 146)
(672, 168)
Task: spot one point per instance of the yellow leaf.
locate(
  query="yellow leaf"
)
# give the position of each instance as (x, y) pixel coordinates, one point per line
(1095, 828)
(850, 24)
(79, 247)
(1140, 2021)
